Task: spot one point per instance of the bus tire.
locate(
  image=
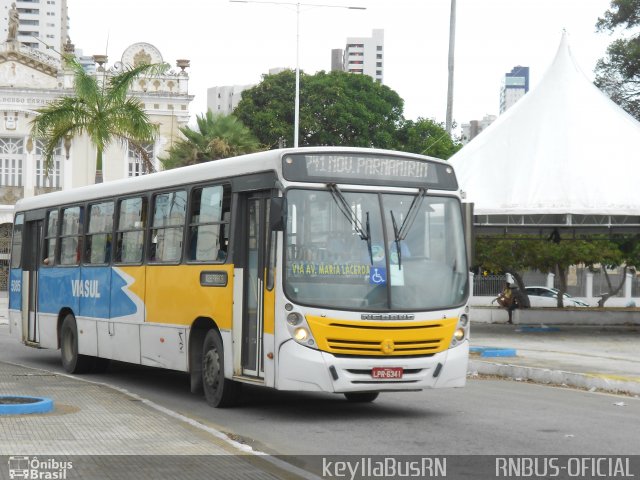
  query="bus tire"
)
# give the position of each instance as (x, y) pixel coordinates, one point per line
(361, 397)
(218, 391)
(72, 361)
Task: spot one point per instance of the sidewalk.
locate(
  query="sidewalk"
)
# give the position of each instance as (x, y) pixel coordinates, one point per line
(603, 358)
(108, 433)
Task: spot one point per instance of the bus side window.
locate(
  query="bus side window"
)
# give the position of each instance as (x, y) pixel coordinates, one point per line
(50, 238)
(208, 224)
(16, 247)
(167, 229)
(99, 231)
(70, 238)
(132, 216)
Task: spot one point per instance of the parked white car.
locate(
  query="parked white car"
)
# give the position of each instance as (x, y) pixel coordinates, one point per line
(548, 297)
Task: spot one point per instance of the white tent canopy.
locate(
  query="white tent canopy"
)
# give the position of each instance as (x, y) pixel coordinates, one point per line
(563, 148)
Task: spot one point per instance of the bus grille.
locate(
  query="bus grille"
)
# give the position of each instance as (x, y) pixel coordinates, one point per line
(382, 338)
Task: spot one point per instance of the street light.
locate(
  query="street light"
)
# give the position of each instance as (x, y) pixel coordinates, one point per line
(296, 121)
(452, 41)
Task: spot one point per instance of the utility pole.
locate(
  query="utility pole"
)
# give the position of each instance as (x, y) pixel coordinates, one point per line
(296, 108)
(452, 41)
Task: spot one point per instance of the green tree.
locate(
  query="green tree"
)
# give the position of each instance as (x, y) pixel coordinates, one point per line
(625, 254)
(336, 108)
(216, 136)
(102, 111)
(508, 255)
(426, 137)
(555, 255)
(618, 73)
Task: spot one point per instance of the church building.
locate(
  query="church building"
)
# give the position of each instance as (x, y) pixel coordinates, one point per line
(29, 80)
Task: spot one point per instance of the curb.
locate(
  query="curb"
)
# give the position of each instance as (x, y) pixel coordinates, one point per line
(607, 383)
(22, 405)
(493, 351)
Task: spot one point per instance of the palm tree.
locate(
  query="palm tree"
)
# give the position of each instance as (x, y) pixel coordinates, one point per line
(217, 136)
(101, 109)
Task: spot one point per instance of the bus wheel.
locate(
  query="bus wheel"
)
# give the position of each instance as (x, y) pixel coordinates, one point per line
(72, 362)
(218, 391)
(361, 397)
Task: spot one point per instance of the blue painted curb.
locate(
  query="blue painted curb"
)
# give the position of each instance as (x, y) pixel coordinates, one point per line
(31, 405)
(493, 352)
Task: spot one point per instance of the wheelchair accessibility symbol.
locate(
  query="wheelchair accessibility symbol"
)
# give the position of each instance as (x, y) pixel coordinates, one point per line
(378, 276)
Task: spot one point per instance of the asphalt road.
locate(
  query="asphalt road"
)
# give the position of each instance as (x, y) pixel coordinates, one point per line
(486, 417)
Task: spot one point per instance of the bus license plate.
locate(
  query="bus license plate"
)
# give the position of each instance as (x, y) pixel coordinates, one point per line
(387, 372)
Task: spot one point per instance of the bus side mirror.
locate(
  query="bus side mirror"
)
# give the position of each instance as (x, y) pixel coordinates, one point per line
(278, 213)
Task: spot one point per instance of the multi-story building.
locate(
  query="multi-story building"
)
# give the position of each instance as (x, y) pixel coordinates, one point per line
(337, 59)
(224, 100)
(41, 25)
(29, 80)
(514, 86)
(365, 55)
(474, 127)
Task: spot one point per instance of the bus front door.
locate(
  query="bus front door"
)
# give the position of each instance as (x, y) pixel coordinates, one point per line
(32, 255)
(257, 304)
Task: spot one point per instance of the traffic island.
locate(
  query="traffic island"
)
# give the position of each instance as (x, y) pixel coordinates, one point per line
(21, 405)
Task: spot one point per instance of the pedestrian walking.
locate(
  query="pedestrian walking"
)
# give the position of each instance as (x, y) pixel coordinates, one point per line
(508, 299)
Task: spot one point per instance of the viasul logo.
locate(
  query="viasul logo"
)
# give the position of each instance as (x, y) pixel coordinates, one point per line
(37, 469)
(88, 288)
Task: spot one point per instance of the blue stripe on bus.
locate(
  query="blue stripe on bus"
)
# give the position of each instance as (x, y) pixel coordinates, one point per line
(15, 289)
(88, 291)
(121, 303)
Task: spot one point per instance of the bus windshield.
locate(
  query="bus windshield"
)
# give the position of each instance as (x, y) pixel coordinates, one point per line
(373, 251)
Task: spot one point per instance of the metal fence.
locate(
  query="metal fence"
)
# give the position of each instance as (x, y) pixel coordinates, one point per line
(488, 285)
(600, 286)
(492, 285)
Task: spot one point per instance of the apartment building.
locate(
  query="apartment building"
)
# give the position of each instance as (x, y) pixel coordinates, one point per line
(364, 55)
(43, 25)
(514, 86)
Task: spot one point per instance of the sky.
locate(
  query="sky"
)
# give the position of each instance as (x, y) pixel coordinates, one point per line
(235, 43)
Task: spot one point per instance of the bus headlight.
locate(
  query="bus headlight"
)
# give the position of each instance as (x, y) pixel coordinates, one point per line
(461, 332)
(299, 329)
(294, 318)
(301, 334)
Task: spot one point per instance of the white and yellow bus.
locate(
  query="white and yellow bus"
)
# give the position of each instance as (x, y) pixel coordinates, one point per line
(320, 269)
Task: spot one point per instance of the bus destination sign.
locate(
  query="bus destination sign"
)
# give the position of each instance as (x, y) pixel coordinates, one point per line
(368, 169)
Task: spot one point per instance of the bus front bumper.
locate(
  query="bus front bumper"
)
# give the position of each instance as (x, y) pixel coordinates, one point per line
(302, 368)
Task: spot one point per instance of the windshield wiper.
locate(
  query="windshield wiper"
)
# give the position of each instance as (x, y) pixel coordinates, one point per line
(368, 232)
(364, 232)
(345, 208)
(412, 213)
(396, 239)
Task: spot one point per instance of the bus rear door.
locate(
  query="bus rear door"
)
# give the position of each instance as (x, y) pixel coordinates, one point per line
(32, 253)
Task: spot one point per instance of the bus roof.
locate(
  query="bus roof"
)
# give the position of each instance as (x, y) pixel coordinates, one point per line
(217, 169)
